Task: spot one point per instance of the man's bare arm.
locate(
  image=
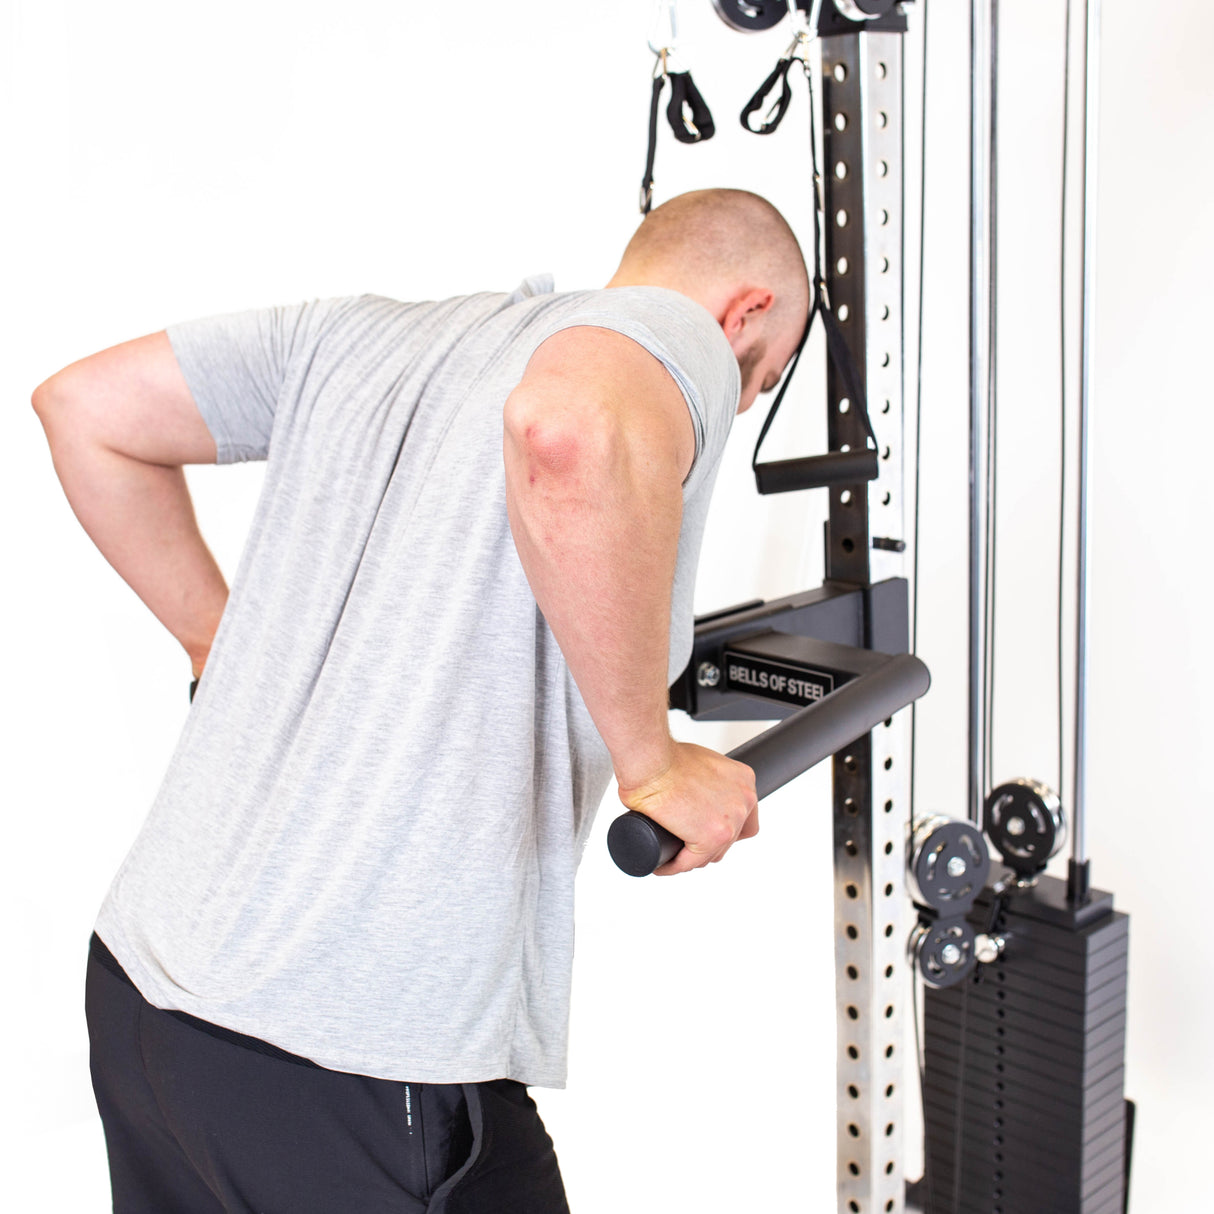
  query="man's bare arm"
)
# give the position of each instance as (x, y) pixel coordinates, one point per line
(597, 444)
(120, 425)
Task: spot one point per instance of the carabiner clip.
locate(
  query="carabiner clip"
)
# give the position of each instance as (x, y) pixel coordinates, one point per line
(664, 32)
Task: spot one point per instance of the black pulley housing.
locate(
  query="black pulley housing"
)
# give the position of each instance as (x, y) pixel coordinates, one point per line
(943, 951)
(949, 864)
(1026, 825)
(751, 16)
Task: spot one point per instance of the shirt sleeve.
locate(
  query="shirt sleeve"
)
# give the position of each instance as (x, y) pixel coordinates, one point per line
(236, 366)
(683, 336)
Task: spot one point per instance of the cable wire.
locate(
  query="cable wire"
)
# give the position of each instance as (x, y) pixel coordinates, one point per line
(1062, 396)
(919, 391)
(992, 415)
(916, 986)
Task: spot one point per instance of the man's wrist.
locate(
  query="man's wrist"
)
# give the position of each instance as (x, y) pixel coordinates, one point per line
(198, 655)
(646, 765)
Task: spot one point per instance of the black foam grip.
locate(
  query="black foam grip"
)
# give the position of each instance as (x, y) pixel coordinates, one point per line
(638, 844)
(816, 471)
(784, 751)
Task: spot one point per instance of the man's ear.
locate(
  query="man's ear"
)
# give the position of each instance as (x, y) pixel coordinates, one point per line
(747, 306)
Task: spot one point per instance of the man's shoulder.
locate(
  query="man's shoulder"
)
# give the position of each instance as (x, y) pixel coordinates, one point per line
(654, 315)
(672, 326)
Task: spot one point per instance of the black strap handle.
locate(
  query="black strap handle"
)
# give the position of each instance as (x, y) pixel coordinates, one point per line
(814, 471)
(817, 471)
(779, 75)
(688, 113)
(835, 467)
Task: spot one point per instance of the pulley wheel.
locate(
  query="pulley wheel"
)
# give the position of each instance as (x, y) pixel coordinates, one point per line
(751, 16)
(949, 864)
(1026, 824)
(943, 951)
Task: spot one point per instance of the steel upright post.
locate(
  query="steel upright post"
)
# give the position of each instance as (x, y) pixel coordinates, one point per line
(862, 185)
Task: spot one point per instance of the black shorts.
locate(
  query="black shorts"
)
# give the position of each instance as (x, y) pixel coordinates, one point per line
(201, 1120)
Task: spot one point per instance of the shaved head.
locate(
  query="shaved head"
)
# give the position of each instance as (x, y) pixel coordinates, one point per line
(699, 242)
(733, 252)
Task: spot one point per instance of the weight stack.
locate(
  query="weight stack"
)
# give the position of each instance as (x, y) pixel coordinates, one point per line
(1024, 1066)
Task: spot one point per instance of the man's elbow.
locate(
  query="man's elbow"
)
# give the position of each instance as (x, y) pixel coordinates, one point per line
(42, 397)
(49, 401)
(67, 415)
(66, 406)
(558, 443)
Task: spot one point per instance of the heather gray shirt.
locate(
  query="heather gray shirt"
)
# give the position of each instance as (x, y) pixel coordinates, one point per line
(364, 847)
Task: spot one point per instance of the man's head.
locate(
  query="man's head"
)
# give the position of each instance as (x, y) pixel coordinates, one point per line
(733, 252)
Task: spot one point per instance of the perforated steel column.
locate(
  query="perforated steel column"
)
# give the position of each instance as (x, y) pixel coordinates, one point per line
(862, 171)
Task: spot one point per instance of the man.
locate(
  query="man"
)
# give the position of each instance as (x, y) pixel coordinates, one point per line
(340, 948)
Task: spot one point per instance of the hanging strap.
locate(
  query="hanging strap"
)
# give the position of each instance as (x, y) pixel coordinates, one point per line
(688, 112)
(647, 181)
(775, 116)
(835, 467)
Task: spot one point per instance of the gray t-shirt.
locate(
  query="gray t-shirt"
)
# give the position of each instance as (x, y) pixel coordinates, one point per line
(364, 847)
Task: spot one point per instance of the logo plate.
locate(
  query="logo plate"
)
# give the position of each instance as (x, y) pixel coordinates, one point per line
(776, 680)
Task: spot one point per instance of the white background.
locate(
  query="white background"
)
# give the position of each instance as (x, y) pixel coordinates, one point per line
(164, 160)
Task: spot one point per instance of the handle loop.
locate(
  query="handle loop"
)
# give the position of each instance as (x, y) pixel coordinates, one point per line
(775, 115)
(836, 344)
(688, 113)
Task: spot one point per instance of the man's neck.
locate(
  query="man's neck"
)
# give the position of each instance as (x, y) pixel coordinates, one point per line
(714, 301)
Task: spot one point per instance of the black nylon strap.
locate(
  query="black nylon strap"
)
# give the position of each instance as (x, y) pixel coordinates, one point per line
(689, 117)
(841, 356)
(779, 74)
(647, 180)
(686, 100)
(775, 407)
(836, 344)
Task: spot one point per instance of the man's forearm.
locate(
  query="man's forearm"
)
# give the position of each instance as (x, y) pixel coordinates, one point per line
(142, 520)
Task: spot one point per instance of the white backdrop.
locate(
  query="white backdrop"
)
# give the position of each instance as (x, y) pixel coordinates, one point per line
(165, 160)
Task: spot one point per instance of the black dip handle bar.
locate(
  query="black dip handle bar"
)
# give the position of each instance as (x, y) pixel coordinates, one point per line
(639, 845)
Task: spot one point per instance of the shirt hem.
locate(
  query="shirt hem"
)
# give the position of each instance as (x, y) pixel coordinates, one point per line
(399, 1070)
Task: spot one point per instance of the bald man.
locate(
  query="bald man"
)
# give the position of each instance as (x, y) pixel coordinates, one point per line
(340, 949)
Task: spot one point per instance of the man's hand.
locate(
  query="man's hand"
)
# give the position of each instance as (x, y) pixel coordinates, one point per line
(705, 798)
